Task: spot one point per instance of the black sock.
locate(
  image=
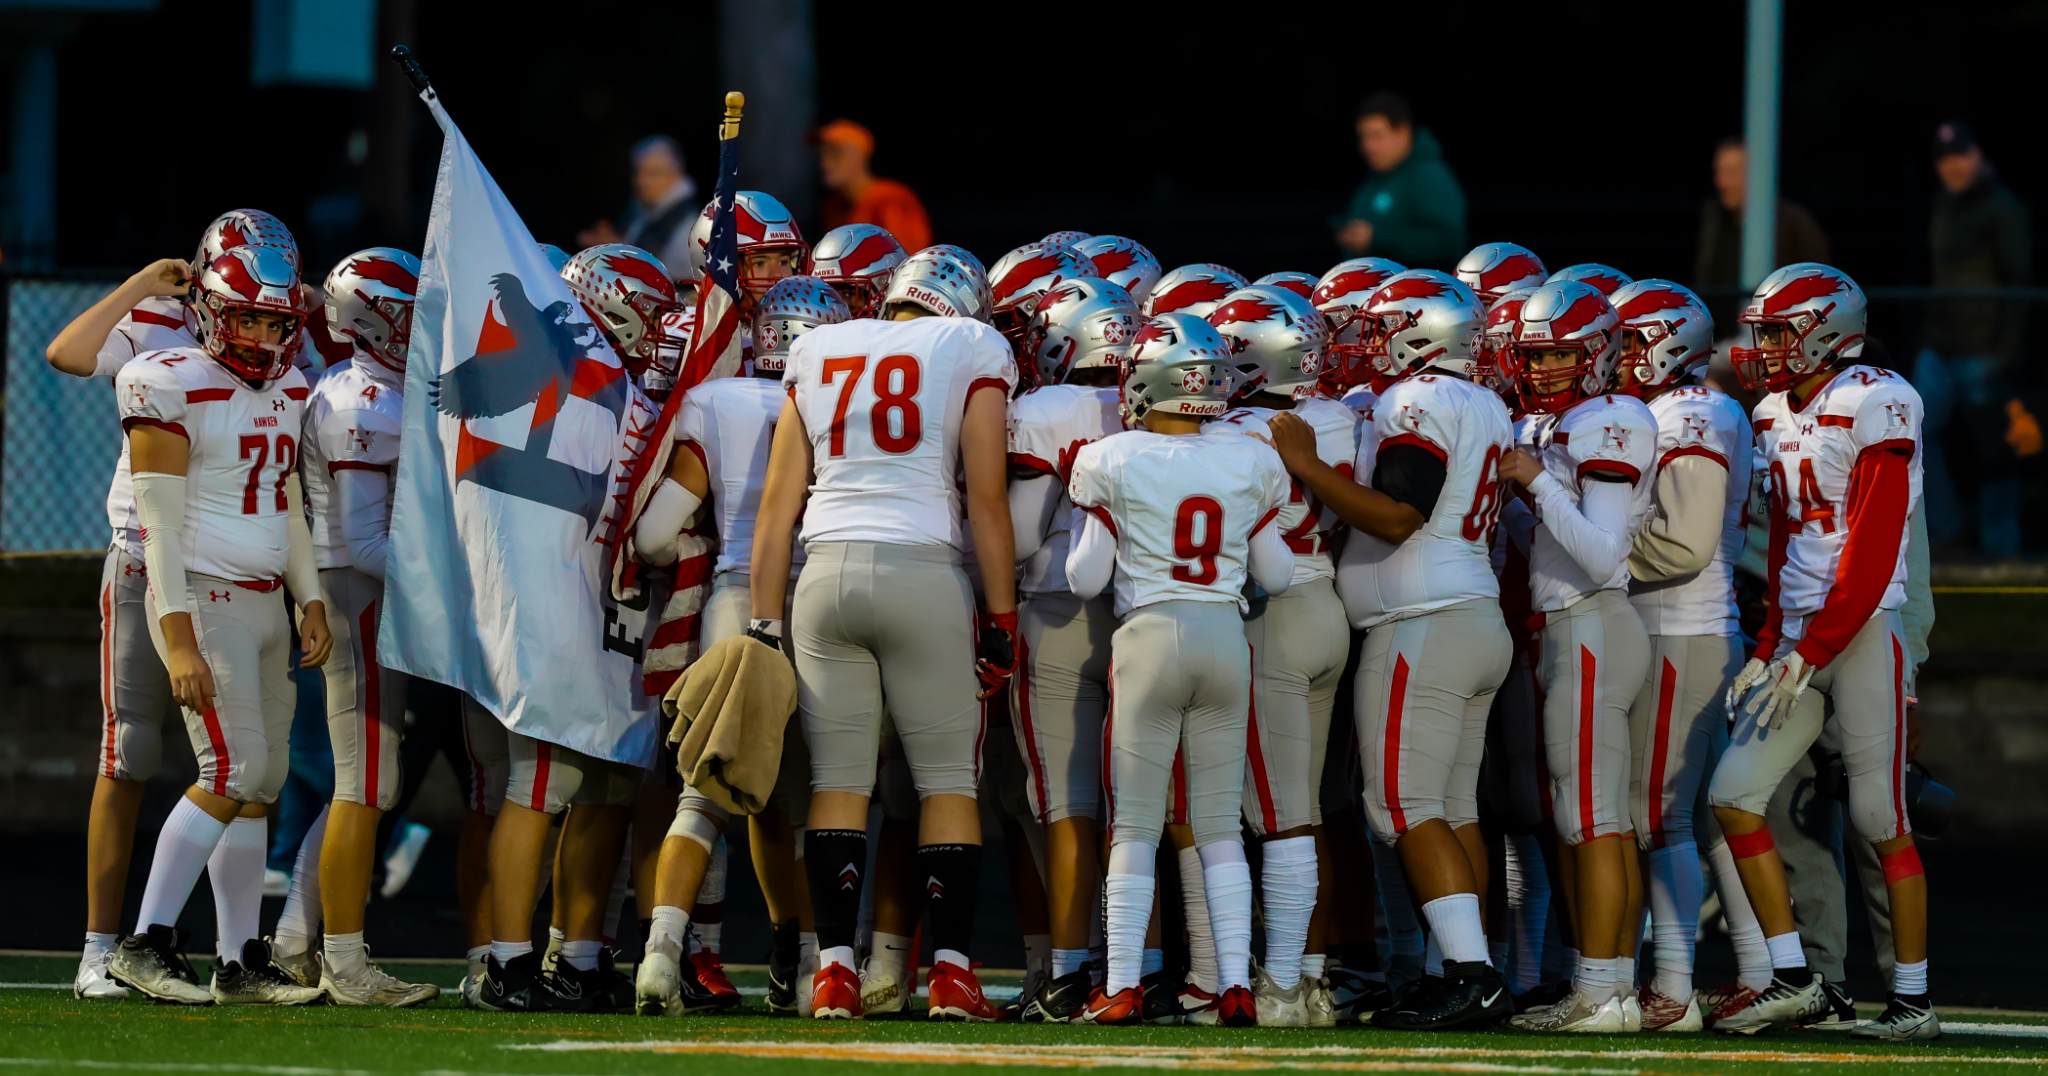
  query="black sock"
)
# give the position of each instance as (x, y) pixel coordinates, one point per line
(787, 938)
(1799, 976)
(952, 884)
(836, 860)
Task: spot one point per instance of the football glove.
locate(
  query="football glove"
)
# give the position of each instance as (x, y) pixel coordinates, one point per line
(995, 645)
(1783, 682)
(1749, 677)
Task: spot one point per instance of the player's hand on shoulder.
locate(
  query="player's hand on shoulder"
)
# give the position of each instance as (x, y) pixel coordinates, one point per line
(1293, 439)
(1520, 465)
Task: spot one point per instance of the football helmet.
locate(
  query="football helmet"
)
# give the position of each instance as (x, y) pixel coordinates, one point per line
(1302, 284)
(1018, 279)
(249, 279)
(763, 224)
(1495, 363)
(1123, 262)
(626, 291)
(677, 327)
(1605, 277)
(1065, 238)
(857, 260)
(943, 279)
(244, 227)
(1081, 323)
(1177, 365)
(1423, 318)
(1822, 312)
(1665, 331)
(1492, 270)
(556, 256)
(369, 303)
(1276, 340)
(793, 307)
(1339, 296)
(1570, 315)
(1193, 289)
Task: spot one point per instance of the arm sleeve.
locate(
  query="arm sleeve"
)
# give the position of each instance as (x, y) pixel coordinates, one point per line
(1593, 532)
(1410, 473)
(365, 516)
(1918, 612)
(661, 523)
(1033, 501)
(301, 572)
(1691, 503)
(1092, 560)
(1879, 489)
(1272, 563)
(160, 506)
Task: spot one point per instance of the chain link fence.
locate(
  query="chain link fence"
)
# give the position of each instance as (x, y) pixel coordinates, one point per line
(61, 436)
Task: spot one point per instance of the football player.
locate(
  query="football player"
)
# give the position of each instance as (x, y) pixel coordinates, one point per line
(1019, 279)
(1492, 270)
(1348, 372)
(1192, 289)
(858, 260)
(725, 425)
(1178, 519)
(891, 424)
(1419, 579)
(1077, 339)
(1589, 474)
(1297, 639)
(771, 246)
(1123, 262)
(213, 447)
(1841, 443)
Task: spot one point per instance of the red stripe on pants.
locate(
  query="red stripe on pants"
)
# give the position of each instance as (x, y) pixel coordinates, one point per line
(1660, 740)
(1180, 788)
(219, 740)
(373, 706)
(1256, 755)
(540, 775)
(1588, 677)
(107, 673)
(1898, 737)
(1397, 698)
(1036, 762)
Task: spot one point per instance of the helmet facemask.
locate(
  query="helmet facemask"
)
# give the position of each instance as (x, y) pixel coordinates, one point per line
(1551, 389)
(1777, 369)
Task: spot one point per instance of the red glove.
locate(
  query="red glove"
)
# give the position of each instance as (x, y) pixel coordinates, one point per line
(995, 647)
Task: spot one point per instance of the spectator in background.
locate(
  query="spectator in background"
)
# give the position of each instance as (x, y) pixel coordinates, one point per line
(1977, 238)
(1410, 209)
(1717, 262)
(855, 195)
(664, 205)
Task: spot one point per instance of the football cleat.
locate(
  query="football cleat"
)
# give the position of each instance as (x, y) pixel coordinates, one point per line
(1057, 1001)
(1322, 1012)
(1780, 1005)
(1723, 1001)
(657, 985)
(1410, 998)
(1470, 995)
(711, 974)
(472, 982)
(781, 979)
(257, 980)
(521, 985)
(374, 987)
(1543, 995)
(954, 993)
(1631, 1015)
(1162, 999)
(883, 991)
(1277, 1007)
(153, 962)
(92, 983)
(1354, 996)
(1576, 1014)
(611, 988)
(1123, 1008)
(1903, 1021)
(1237, 1008)
(1660, 1012)
(1840, 1015)
(303, 968)
(1197, 1005)
(835, 993)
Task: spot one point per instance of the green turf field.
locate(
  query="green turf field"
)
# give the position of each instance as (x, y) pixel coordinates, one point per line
(44, 1030)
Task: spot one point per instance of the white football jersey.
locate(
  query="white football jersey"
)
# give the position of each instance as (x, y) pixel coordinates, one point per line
(1450, 558)
(1183, 510)
(155, 324)
(882, 403)
(1048, 427)
(352, 421)
(244, 445)
(1612, 434)
(1699, 421)
(1809, 455)
(1310, 528)
(729, 422)
(1360, 398)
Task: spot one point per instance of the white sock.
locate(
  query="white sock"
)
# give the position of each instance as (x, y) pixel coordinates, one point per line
(345, 953)
(842, 955)
(707, 936)
(507, 952)
(1529, 912)
(1194, 901)
(952, 956)
(1128, 889)
(475, 954)
(1154, 962)
(1066, 962)
(581, 955)
(99, 946)
(236, 867)
(1227, 878)
(669, 932)
(1910, 979)
(1786, 952)
(892, 953)
(1037, 955)
(1289, 873)
(1677, 888)
(1752, 955)
(1404, 928)
(1313, 965)
(1625, 982)
(182, 847)
(1455, 927)
(300, 921)
(1597, 980)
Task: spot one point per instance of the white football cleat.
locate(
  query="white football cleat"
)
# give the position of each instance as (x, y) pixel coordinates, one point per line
(881, 990)
(1660, 1012)
(374, 987)
(92, 983)
(1576, 1014)
(1902, 1021)
(1322, 1011)
(657, 984)
(1780, 1005)
(1277, 1007)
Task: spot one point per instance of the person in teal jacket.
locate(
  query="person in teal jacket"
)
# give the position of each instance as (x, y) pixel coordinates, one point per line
(1410, 209)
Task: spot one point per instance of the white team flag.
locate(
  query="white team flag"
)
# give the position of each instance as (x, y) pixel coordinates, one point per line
(518, 416)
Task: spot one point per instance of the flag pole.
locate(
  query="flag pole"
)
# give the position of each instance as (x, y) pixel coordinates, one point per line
(735, 101)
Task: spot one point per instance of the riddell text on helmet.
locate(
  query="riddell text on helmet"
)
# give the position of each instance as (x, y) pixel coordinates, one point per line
(931, 299)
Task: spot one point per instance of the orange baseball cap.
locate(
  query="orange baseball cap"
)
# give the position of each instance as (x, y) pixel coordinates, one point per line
(845, 132)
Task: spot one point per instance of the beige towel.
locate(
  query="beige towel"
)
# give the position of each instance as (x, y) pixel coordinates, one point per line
(730, 707)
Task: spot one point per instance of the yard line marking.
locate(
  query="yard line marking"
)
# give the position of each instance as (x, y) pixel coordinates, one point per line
(34, 986)
(2017, 1031)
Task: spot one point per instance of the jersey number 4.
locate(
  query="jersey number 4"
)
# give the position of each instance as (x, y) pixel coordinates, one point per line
(897, 379)
(256, 449)
(1201, 554)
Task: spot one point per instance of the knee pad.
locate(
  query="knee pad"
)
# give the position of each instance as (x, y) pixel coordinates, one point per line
(698, 827)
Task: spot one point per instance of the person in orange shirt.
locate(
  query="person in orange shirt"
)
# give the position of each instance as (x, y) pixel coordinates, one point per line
(855, 195)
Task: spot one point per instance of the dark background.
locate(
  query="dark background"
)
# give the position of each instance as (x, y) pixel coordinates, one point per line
(1583, 130)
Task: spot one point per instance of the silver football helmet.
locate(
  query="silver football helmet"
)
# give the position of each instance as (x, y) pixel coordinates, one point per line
(1080, 324)
(1340, 296)
(1302, 284)
(1066, 238)
(249, 279)
(858, 260)
(942, 279)
(1276, 340)
(793, 307)
(1568, 315)
(1178, 365)
(1424, 319)
(626, 291)
(1193, 289)
(763, 224)
(1018, 279)
(244, 227)
(1492, 270)
(369, 303)
(1605, 277)
(1124, 262)
(1665, 332)
(1820, 314)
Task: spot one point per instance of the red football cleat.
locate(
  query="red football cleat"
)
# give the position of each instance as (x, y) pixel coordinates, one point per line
(1237, 1008)
(955, 994)
(835, 993)
(1725, 1001)
(1125, 1007)
(711, 976)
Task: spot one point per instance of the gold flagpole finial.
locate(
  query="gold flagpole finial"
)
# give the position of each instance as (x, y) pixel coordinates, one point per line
(734, 102)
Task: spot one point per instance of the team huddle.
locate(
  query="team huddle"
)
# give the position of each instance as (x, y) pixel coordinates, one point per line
(1392, 595)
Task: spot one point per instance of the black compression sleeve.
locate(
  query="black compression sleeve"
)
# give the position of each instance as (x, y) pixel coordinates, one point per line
(1410, 474)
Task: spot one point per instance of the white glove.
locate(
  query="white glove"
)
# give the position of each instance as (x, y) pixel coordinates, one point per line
(1749, 677)
(1784, 682)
